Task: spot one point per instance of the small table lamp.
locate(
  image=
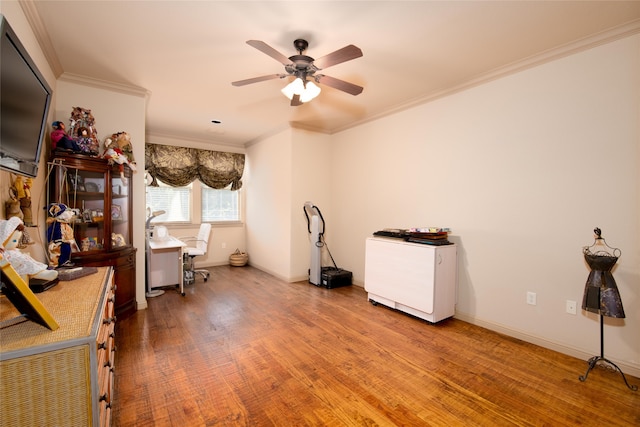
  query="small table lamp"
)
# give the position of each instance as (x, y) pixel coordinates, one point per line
(601, 295)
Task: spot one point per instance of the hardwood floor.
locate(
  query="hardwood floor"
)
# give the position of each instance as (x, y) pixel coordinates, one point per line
(247, 349)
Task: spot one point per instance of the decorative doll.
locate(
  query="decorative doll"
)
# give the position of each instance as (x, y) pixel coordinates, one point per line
(118, 150)
(60, 235)
(11, 236)
(83, 129)
(12, 205)
(22, 187)
(61, 141)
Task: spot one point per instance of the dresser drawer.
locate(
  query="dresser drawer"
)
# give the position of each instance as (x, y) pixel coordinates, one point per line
(57, 378)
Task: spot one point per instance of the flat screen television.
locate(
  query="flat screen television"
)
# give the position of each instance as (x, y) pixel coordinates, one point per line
(25, 98)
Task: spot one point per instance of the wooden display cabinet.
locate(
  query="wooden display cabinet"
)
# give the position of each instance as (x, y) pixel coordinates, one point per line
(103, 229)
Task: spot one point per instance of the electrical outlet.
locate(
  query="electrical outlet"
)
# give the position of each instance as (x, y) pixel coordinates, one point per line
(224, 245)
(571, 307)
(531, 298)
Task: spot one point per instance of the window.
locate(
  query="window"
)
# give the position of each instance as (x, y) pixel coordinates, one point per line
(219, 205)
(182, 205)
(175, 201)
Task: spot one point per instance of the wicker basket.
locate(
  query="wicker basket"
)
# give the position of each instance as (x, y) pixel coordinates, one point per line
(238, 259)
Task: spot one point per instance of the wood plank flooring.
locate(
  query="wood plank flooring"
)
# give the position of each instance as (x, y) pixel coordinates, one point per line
(247, 349)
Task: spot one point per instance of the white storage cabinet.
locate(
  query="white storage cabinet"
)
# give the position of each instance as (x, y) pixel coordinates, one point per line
(418, 279)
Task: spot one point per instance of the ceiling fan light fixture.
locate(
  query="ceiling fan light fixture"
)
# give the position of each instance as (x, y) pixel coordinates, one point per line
(302, 66)
(311, 91)
(296, 87)
(304, 89)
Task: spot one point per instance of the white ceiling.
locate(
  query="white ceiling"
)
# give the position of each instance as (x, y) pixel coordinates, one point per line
(187, 53)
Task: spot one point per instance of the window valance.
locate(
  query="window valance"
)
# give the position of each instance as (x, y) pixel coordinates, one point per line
(179, 166)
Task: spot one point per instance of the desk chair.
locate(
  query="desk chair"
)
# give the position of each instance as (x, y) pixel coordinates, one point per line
(196, 246)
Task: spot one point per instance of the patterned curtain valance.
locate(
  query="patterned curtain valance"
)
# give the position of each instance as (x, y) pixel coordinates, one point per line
(179, 166)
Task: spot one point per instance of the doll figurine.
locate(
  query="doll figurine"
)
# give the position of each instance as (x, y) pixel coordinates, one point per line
(12, 205)
(60, 235)
(120, 155)
(22, 188)
(61, 141)
(11, 234)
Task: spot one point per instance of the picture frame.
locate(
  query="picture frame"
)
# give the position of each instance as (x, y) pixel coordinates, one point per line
(22, 297)
(116, 212)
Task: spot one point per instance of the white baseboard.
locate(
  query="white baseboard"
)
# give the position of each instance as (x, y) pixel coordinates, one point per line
(628, 369)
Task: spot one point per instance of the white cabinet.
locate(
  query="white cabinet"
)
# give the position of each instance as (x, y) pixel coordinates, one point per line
(415, 278)
(165, 263)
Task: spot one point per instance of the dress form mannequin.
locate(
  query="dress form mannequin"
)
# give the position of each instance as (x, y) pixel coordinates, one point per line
(601, 296)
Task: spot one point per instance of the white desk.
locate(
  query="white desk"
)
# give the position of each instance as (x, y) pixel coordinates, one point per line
(165, 263)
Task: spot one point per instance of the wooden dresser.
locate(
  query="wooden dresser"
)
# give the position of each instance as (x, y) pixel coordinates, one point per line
(62, 377)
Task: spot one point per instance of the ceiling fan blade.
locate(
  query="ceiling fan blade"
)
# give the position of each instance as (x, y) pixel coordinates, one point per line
(265, 48)
(345, 54)
(258, 79)
(339, 84)
(295, 101)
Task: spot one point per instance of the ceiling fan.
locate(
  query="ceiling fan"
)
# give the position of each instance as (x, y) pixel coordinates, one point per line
(302, 67)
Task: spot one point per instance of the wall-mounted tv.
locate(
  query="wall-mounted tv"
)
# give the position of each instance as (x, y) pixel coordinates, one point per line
(25, 98)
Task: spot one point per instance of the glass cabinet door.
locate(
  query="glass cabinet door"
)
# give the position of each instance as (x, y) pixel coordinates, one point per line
(119, 212)
(101, 199)
(87, 196)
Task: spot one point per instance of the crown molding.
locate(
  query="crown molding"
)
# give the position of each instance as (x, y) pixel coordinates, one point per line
(42, 36)
(608, 36)
(310, 128)
(106, 85)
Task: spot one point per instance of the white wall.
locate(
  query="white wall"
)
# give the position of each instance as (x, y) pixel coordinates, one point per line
(268, 185)
(310, 166)
(522, 169)
(114, 111)
(286, 170)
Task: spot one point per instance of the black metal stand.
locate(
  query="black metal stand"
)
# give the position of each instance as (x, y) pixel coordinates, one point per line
(610, 365)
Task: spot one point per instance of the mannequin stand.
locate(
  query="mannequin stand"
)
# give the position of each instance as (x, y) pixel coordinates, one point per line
(609, 364)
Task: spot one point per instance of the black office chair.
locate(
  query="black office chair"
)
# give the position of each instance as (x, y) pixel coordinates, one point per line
(196, 246)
